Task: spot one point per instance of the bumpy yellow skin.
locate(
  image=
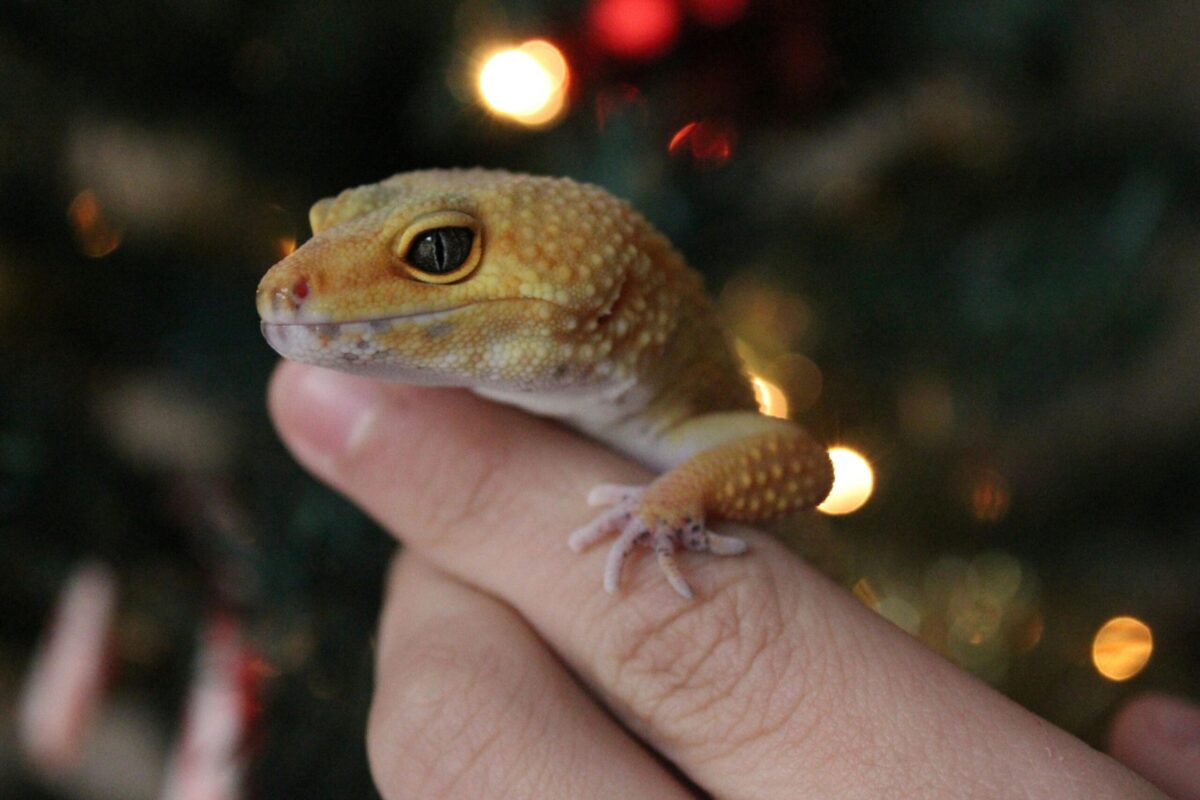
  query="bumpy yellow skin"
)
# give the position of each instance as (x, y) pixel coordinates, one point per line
(571, 305)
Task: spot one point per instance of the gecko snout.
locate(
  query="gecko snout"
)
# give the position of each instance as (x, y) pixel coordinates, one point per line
(287, 300)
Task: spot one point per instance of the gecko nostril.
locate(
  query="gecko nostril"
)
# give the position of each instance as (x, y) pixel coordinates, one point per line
(290, 297)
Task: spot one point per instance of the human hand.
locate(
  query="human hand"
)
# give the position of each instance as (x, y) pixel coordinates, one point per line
(505, 670)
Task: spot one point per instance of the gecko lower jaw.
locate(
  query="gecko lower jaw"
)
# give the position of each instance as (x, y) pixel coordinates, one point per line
(350, 344)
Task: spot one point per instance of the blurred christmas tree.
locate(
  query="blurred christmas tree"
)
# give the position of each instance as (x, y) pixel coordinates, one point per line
(959, 239)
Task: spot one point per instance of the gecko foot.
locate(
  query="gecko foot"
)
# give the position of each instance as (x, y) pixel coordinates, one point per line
(638, 527)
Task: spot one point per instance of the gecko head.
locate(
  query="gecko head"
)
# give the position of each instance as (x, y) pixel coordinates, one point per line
(473, 277)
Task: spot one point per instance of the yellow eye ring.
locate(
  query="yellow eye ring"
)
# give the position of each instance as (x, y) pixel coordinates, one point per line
(442, 247)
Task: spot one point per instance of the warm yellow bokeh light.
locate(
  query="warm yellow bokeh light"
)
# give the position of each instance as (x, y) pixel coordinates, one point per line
(853, 482)
(1121, 648)
(771, 399)
(527, 84)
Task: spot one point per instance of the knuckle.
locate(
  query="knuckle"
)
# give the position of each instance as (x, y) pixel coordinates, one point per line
(436, 719)
(722, 673)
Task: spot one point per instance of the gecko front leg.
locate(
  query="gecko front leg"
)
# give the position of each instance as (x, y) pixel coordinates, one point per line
(753, 479)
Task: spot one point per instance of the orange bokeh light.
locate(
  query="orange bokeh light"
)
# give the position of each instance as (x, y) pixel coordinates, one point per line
(1122, 648)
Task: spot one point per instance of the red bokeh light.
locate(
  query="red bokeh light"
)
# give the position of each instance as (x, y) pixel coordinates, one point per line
(717, 13)
(634, 29)
(617, 99)
(709, 142)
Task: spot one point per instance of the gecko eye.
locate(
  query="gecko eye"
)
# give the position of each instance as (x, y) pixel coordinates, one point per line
(440, 248)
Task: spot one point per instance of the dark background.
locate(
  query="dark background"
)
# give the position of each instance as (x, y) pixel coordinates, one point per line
(964, 238)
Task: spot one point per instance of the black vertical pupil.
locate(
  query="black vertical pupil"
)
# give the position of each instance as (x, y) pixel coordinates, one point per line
(441, 250)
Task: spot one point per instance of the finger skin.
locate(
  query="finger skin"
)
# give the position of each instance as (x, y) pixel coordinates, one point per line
(469, 703)
(773, 683)
(1158, 736)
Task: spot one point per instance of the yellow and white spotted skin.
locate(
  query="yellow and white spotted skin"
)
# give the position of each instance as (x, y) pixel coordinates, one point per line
(556, 297)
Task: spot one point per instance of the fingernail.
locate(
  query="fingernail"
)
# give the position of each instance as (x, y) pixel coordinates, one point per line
(339, 410)
(1177, 723)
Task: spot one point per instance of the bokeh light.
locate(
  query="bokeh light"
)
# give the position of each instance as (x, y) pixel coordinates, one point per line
(527, 84)
(93, 233)
(709, 142)
(771, 319)
(853, 482)
(1122, 648)
(634, 29)
(771, 399)
(800, 379)
(989, 496)
(618, 99)
(865, 592)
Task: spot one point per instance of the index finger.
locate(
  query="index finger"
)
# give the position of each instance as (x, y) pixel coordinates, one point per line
(775, 683)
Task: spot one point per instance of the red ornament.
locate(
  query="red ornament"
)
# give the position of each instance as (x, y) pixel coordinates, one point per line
(634, 29)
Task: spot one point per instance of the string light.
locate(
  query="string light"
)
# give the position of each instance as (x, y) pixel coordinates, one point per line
(853, 482)
(771, 399)
(1122, 648)
(527, 84)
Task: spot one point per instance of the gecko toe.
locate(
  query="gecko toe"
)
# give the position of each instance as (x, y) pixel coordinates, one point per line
(635, 531)
(664, 550)
(637, 523)
(611, 494)
(600, 528)
(725, 545)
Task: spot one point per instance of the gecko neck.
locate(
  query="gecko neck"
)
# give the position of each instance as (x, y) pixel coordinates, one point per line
(695, 374)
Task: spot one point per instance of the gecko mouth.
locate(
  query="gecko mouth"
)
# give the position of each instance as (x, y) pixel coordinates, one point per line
(352, 344)
(329, 327)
